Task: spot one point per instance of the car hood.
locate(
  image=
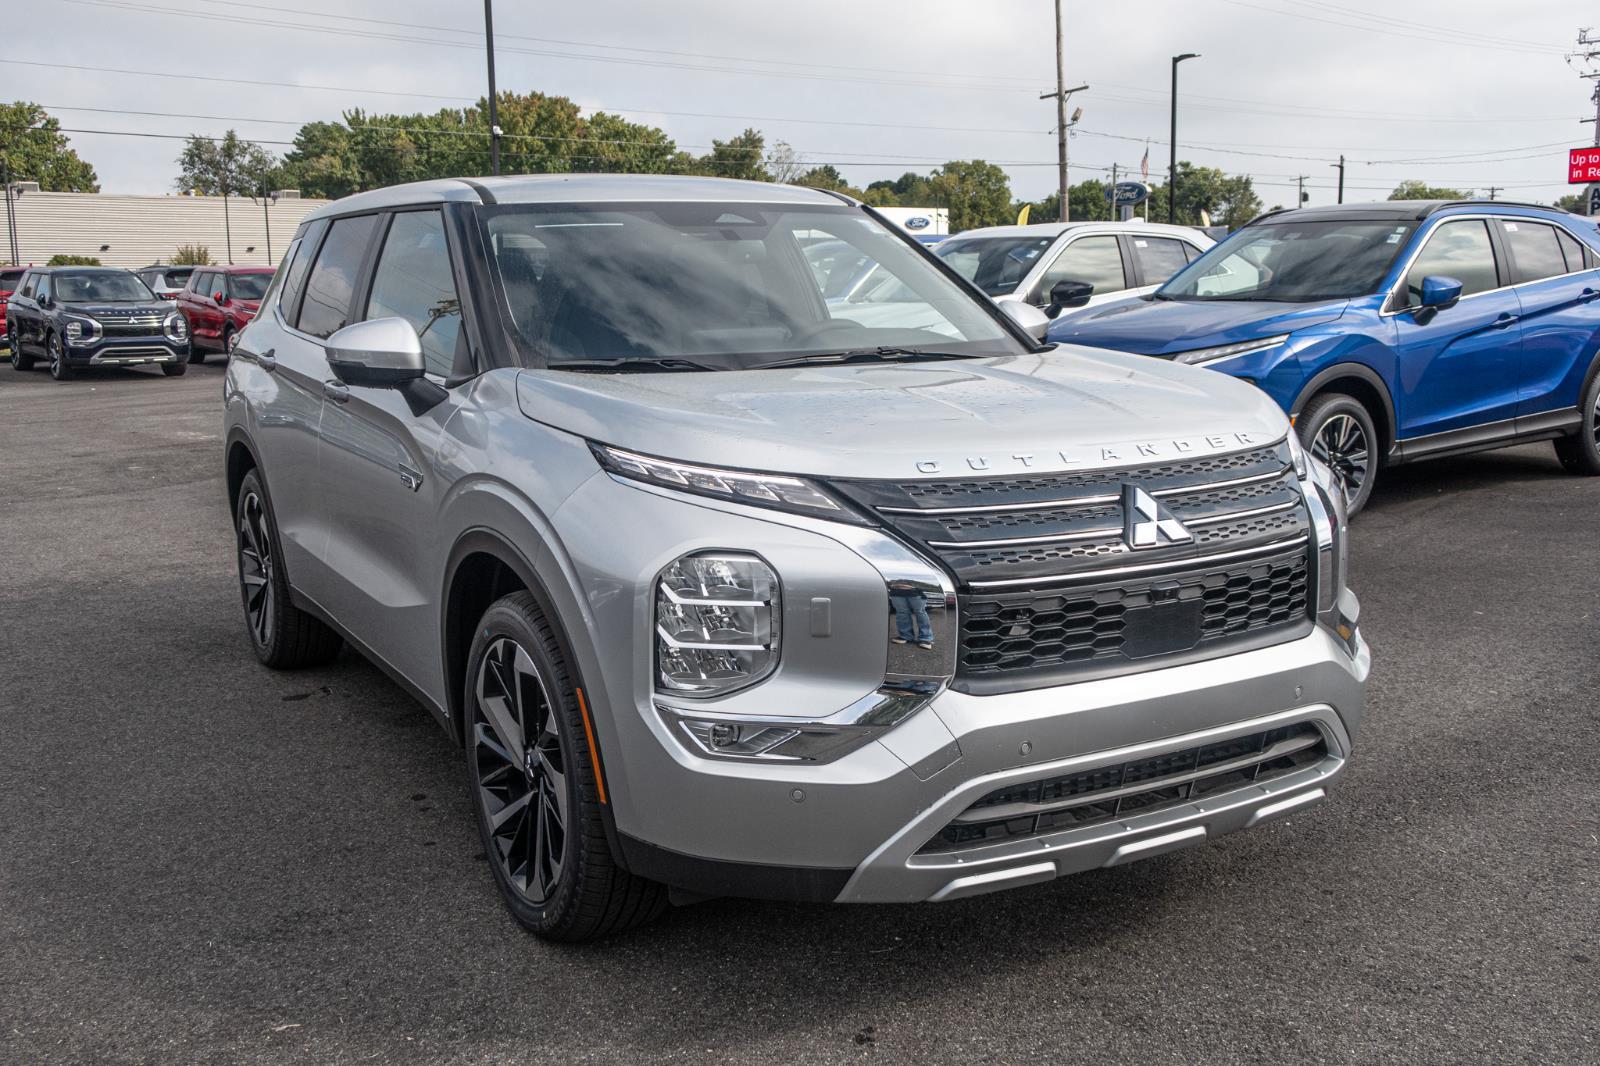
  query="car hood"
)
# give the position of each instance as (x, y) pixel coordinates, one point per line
(1067, 409)
(118, 310)
(1161, 327)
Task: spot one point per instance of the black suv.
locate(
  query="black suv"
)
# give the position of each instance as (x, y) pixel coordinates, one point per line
(83, 317)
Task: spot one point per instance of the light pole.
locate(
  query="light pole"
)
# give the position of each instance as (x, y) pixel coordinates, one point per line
(1172, 162)
(494, 114)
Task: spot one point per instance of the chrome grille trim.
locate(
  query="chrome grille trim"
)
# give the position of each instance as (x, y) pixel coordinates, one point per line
(1082, 501)
(1188, 562)
(1114, 531)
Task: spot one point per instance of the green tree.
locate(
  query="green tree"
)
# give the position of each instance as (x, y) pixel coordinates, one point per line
(1226, 199)
(73, 261)
(192, 255)
(1417, 190)
(975, 192)
(33, 149)
(827, 176)
(1577, 203)
(225, 166)
(737, 157)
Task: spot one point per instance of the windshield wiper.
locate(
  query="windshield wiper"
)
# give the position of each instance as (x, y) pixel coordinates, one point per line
(882, 354)
(630, 366)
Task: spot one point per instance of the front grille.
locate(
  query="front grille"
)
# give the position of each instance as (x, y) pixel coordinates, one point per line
(132, 326)
(1049, 587)
(1142, 786)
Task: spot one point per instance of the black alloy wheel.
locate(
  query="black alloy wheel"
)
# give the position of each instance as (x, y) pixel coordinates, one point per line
(522, 772)
(60, 369)
(283, 636)
(1337, 429)
(537, 792)
(1580, 452)
(19, 360)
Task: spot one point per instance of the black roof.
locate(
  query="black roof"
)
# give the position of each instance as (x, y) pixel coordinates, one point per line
(1383, 210)
(68, 268)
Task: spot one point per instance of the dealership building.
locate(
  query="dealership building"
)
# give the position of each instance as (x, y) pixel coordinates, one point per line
(136, 231)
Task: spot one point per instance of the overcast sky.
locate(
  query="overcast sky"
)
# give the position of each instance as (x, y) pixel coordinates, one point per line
(875, 88)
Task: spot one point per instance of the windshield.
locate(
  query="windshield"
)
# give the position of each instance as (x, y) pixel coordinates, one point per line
(722, 286)
(248, 286)
(100, 288)
(1293, 262)
(996, 265)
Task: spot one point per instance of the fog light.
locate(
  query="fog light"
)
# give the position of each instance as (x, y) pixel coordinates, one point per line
(717, 624)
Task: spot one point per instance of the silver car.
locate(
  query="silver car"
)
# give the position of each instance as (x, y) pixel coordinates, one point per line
(724, 592)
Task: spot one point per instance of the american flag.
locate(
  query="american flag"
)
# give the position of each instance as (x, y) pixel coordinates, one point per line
(1144, 165)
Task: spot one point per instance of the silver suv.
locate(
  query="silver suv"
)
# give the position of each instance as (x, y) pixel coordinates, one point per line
(726, 592)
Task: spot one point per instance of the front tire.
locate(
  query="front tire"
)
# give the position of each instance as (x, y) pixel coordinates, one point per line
(1337, 429)
(60, 369)
(284, 637)
(1580, 453)
(534, 787)
(174, 370)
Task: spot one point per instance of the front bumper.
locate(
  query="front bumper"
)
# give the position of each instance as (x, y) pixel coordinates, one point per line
(128, 351)
(852, 830)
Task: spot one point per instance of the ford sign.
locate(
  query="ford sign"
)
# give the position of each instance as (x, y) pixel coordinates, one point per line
(1127, 193)
(917, 222)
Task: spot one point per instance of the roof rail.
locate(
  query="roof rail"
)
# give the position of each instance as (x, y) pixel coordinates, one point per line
(1442, 204)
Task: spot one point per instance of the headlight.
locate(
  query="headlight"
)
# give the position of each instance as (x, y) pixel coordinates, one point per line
(1228, 351)
(777, 491)
(175, 327)
(82, 329)
(717, 623)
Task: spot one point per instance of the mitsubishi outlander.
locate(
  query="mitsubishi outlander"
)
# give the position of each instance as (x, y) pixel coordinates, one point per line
(725, 590)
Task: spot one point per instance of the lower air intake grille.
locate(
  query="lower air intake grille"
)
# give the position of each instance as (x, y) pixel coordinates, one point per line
(1139, 787)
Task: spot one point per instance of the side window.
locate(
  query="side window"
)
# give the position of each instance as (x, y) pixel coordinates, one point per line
(1459, 250)
(28, 285)
(1534, 248)
(295, 274)
(332, 281)
(44, 286)
(201, 285)
(414, 282)
(1572, 250)
(1097, 260)
(1159, 258)
(276, 284)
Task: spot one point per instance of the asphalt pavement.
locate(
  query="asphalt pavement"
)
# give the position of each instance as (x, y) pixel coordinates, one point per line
(202, 860)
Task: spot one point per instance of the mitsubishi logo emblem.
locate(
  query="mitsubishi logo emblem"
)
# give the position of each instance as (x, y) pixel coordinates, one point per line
(1147, 524)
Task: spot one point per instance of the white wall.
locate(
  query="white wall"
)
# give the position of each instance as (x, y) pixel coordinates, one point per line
(145, 229)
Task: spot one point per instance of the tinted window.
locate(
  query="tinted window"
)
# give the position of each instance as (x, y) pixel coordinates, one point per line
(332, 281)
(1097, 260)
(996, 265)
(248, 286)
(28, 285)
(202, 283)
(1534, 248)
(413, 282)
(44, 286)
(295, 277)
(1459, 250)
(1572, 249)
(1159, 258)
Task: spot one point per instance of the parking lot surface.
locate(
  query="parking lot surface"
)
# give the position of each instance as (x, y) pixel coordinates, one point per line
(204, 860)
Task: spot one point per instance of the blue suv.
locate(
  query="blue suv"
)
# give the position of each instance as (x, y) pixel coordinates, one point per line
(1391, 331)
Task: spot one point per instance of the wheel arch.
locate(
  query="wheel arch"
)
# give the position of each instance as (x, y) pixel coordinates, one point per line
(1364, 384)
(240, 460)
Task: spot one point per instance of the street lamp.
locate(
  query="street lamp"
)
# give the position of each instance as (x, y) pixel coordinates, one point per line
(1172, 164)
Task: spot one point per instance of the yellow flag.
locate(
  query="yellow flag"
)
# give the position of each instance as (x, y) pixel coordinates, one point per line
(1022, 216)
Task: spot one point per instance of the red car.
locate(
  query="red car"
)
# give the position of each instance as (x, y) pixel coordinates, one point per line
(9, 276)
(218, 302)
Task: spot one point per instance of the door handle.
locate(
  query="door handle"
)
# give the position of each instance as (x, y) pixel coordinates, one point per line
(1504, 319)
(268, 360)
(1586, 295)
(336, 391)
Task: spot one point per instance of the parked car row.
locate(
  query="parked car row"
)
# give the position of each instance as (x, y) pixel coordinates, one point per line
(78, 318)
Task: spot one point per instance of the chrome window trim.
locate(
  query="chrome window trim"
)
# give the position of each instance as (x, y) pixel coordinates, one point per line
(1399, 284)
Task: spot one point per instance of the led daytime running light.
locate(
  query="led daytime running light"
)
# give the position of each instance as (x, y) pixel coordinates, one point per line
(1228, 351)
(778, 491)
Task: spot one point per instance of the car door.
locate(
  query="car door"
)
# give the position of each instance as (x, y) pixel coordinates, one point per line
(1155, 259)
(286, 399)
(198, 297)
(1556, 288)
(1457, 365)
(381, 488)
(22, 313)
(1095, 258)
(188, 306)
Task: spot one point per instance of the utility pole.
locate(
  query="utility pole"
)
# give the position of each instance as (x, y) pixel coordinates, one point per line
(11, 218)
(1172, 140)
(1061, 94)
(1588, 52)
(1494, 189)
(1300, 189)
(1339, 166)
(494, 113)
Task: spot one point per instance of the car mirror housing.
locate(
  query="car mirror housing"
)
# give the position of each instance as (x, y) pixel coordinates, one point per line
(381, 353)
(1068, 293)
(1440, 292)
(1033, 321)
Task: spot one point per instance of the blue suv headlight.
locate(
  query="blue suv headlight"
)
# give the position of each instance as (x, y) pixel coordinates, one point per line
(1228, 351)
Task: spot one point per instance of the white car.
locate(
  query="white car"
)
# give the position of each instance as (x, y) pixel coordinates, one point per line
(1115, 259)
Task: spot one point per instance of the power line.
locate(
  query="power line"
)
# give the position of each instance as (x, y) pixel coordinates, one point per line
(1433, 34)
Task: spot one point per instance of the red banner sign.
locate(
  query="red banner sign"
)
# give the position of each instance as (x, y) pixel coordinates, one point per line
(1583, 166)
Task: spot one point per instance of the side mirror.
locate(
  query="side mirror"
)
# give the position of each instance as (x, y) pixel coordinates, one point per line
(47, 301)
(1033, 321)
(1064, 294)
(1439, 291)
(383, 353)
(220, 298)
